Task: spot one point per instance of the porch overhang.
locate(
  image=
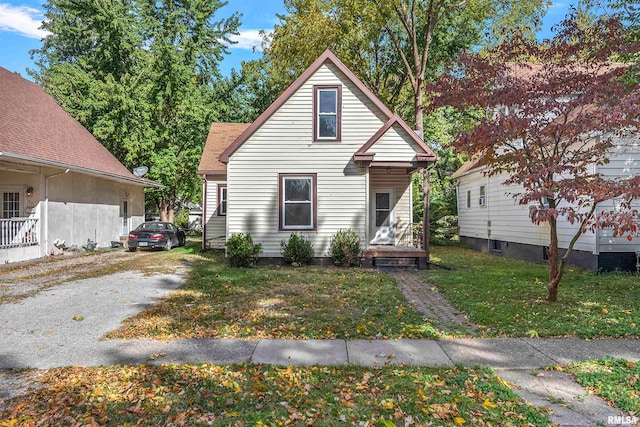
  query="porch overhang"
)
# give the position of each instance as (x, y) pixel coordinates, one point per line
(366, 160)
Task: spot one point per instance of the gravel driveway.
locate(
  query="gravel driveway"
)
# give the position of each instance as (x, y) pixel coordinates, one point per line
(64, 325)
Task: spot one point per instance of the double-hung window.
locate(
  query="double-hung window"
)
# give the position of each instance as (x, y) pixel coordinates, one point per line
(327, 113)
(297, 195)
(10, 204)
(222, 199)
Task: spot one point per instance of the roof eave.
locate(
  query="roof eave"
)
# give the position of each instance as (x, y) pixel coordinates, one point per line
(132, 180)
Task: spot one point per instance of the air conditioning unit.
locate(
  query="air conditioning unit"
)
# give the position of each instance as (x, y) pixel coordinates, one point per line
(481, 201)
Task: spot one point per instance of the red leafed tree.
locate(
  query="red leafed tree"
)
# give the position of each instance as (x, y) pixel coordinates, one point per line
(554, 110)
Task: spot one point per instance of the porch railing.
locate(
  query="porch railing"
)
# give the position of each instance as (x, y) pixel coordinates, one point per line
(411, 236)
(15, 232)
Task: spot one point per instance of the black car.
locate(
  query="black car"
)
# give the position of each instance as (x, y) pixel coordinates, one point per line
(154, 234)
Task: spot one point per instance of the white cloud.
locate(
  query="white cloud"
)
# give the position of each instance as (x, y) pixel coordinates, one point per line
(23, 20)
(247, 40)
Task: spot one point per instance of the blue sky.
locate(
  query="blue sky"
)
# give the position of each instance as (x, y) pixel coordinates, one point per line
(20, 19)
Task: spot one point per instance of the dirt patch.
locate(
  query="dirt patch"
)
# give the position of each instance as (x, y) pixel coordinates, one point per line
(21, 280)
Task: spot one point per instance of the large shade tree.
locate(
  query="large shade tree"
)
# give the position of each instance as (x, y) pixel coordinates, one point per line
(393, 46)
(141, 76)
(552, 111)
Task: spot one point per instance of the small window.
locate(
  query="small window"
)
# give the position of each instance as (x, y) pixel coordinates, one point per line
(482, 201)
(468, 198)
(496, 246)
(297, 194)
(222, 199)
(10, 204)
(327, 106)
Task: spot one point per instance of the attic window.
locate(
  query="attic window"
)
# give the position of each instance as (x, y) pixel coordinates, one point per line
(327, 115)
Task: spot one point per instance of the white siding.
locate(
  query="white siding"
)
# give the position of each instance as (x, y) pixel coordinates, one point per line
(502, 218)
(624, 162)
(394, 146)
(215, 224)
(284, 144)
(400, 182)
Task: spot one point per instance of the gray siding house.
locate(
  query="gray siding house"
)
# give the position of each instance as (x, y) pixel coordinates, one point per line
(57, 182)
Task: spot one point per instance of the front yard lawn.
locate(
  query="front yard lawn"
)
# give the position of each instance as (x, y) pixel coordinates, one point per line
(617, 381)
(506, 297)
(279, 302)
(256, 395)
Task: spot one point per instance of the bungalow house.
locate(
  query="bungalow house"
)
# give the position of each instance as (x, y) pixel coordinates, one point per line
(490, 220)
(326, 155)
(59, 186)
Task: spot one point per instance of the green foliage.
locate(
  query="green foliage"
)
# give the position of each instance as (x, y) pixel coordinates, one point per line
(298, 249)
(140, 76)
(241, 250)
(506, 297)
(345, 248)
(614, 380)
(182, 219)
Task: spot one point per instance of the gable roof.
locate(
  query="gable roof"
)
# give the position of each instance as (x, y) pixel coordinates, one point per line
(426, 156)
(468, 166)
(221, 136)
(35, 129)
(326, 57)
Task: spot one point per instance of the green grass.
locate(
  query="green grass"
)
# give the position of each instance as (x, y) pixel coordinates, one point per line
(615, 380)
(279, 302)
(255, 395)
(506, 297)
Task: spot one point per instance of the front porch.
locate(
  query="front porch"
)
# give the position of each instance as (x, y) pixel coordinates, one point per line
(408, 252)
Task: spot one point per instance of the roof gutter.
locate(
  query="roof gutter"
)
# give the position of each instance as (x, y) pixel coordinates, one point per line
(134, 180)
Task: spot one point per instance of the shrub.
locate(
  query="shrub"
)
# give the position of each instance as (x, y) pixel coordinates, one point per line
(181, 220)
(345, 248)
(297, 250)
(241, 250)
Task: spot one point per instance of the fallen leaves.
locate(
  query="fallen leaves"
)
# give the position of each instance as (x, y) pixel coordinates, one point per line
(254, 395)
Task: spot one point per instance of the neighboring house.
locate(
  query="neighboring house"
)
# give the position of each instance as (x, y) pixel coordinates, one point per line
(326, 155)
(490, 220)
(57, 182)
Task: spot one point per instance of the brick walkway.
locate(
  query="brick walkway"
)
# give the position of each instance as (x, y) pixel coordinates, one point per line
(431, 304)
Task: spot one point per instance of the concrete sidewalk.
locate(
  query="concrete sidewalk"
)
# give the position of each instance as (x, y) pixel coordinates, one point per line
(498, 353)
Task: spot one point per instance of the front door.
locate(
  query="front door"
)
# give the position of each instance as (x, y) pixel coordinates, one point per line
(382, 218)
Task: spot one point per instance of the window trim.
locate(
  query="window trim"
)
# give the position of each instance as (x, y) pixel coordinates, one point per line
(21, 201)
(316, 113)
(314, 201)
(482, 200)
(468, 199)
(222, 212)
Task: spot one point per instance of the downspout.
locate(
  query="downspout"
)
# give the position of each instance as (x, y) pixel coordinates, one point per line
(488, 206)
(46, 207)
(204, 212)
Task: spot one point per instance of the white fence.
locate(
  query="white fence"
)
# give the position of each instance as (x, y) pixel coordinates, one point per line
(16, 232)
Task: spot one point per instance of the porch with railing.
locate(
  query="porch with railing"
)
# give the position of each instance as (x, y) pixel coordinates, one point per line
(407, 252)
(18, 232)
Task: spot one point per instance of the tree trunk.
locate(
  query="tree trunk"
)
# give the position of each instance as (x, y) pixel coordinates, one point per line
(417, 104)
(555, 270)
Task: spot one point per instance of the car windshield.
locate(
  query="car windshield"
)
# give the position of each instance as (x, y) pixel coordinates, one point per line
(151, 226)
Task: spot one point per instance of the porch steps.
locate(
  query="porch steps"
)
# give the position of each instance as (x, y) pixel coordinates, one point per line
(395, 263)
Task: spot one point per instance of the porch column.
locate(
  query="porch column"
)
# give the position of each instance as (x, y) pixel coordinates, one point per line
(426, 186)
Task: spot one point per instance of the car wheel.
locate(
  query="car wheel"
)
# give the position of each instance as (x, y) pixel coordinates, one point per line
(130, 249)
(168, 245)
